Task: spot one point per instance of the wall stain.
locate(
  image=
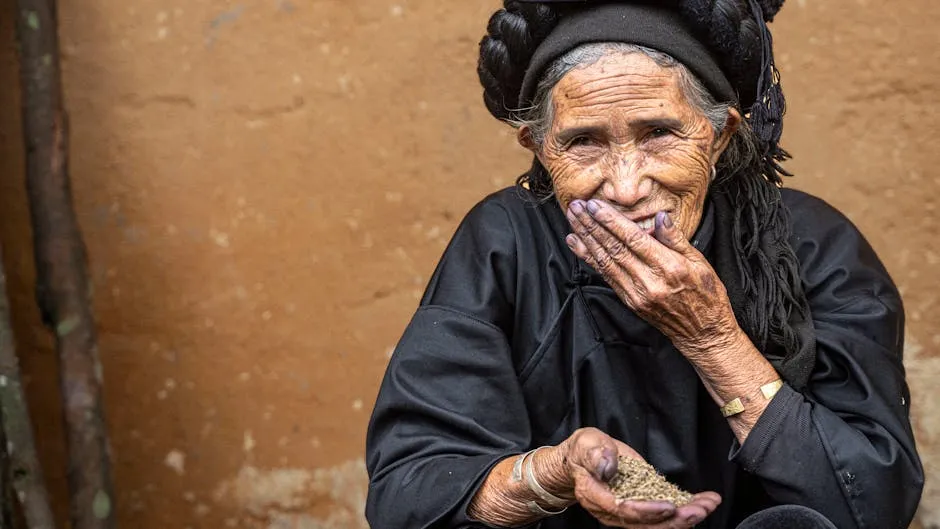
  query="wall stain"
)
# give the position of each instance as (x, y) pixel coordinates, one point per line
(225, 17)
(295, 498)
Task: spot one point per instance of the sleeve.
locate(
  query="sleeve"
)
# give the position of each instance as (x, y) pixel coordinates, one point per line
(845, 447)
(450, 406)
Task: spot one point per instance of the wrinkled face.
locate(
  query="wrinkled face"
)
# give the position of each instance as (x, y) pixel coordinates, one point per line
(624, 132)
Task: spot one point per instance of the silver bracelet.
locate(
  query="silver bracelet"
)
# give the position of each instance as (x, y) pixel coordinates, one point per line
(516, 475)
(520, 472)
(535, 508)
(540, 491)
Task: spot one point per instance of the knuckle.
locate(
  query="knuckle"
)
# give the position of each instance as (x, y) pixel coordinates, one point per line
(594, 438)
(673, 269)
(587, 229)
(580, 435)
(617, 250)
(581, 442)
(635, 238)
(662, 292)
(656, 296)
(592, 227)
(605, 263)
(579, 230)
(645, 301)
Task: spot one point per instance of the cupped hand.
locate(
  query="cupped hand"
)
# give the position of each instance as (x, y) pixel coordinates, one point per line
(662, 276)
(592, 457)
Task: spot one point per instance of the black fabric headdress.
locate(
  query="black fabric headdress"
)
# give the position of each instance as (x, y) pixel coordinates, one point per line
(728, 46)
(689, 31)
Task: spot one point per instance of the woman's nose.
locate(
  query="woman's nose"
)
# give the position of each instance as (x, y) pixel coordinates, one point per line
(625, 184)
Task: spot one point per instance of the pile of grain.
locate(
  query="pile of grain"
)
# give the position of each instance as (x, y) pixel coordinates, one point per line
(638, 480)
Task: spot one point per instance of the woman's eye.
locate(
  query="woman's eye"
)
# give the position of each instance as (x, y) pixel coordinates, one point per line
(660, 132)
(580, 141)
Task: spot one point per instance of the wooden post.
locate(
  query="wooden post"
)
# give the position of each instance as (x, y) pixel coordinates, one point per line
(21, 471)
(7, 520)
(62, 289)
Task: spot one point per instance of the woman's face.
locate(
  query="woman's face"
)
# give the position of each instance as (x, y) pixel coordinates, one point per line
(624, 132)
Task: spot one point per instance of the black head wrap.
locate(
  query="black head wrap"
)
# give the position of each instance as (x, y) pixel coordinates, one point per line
(727, 45)
(653, 26)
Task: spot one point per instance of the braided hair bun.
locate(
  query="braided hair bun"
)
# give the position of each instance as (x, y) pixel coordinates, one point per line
(770, 8)
(729, 27)
(513, 34)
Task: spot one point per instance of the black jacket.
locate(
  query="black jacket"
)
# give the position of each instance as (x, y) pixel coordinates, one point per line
(516, 344)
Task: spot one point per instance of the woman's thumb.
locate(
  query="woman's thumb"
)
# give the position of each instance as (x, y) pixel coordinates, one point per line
(604, 462)
(669, 234)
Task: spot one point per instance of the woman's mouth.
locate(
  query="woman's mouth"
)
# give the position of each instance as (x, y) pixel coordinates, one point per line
(648, 224)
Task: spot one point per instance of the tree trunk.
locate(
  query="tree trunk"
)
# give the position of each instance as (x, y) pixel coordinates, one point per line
(6, 488)
(62, 289)
(20, 470)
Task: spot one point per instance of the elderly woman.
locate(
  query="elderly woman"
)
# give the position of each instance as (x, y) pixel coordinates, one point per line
(647, 291)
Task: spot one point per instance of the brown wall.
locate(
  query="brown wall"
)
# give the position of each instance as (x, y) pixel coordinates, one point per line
(265, 187)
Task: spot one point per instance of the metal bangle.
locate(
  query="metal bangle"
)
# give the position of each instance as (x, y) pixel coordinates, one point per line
(536, 487)
(735, 406)
(535, 508)
(770, 390)
(519, 473)
(516, 475)
(732, 408)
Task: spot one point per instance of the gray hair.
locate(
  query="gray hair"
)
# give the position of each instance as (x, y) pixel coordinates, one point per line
(741, 151)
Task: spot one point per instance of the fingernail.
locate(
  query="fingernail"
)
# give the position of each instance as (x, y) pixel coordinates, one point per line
(577, 206)
(607, 465)
(693, 519)
(663, 219)
(593, 206)
(571, 240)
(606, 469)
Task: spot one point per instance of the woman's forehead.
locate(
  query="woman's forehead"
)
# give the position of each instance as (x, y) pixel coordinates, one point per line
(617, 81)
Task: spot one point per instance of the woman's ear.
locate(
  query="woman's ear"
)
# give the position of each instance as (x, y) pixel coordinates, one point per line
(723, 139)
(524, 137)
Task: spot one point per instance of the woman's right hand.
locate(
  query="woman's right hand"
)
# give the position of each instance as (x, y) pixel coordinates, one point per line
(591, 458)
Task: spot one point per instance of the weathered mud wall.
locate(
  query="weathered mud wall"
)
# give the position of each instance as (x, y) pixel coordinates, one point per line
(265, 187)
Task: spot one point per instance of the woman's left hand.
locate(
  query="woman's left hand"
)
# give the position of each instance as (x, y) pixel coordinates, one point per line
(665, 279)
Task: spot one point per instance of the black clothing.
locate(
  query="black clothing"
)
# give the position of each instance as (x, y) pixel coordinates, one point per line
(787, 517)
(517, 343)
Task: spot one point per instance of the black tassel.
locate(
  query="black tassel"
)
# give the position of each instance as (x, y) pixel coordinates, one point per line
(766, 114)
